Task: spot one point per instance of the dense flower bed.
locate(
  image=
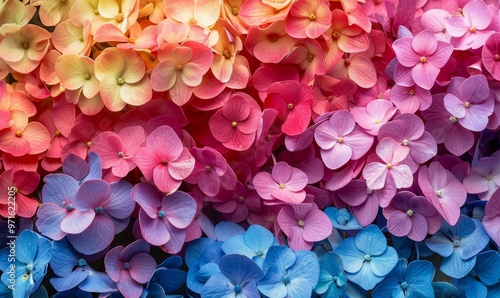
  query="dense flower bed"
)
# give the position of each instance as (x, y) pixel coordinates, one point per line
(249, 148)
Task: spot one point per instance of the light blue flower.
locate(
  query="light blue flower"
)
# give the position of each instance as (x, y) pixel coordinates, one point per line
(366, 257)
(238, 277)
(289, 274)
(459, 245)
(32, 256)
(342, 219)
(253, 244)
(412, 280)
(478, 281)
(332, 279)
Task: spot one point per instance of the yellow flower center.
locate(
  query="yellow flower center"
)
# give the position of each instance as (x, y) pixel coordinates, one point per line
(301, 223)
(290, 106)
(310, 57)
(226, 54)
(58, 133)
(234, 11)
(412, 91)
(405, 142)
(472, 29)
(19, 133)
(119, 17)
(234, 124)
(26, 45)
(453, 119)
(282, 185)
(120, 81)
(340, 140)
(388, 166)
(87, 76)
(312, 17)
(467, 104)
(88, 144)
(423, 59)
(335, 35)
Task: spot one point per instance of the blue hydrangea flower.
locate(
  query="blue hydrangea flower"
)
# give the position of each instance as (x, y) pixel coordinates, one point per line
(342, 219)
(332, 279)
(459, 245)
(407, 280)
(32, 256)
(367, 258)
(446, 290)
(288, 273)
(167, 278)
(237, 278)
(74, 272)
(484, 275)
(203, 263)
(253, 244)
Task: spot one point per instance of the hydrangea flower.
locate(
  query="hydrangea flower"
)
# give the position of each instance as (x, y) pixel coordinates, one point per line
(484, 178)
(32, 256)
(407, 280)
(202, 258)
(167, 277)
(482, 276)
(288, 273)
(366, 257)
(18, 185)
(332, 279)
(459, 245)
(238, 277)
(342, 219)
(492, 217)
(130, 267)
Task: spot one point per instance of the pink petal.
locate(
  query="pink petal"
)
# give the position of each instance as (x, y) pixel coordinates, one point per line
(399, 224)
(153, 230)
(424, 43)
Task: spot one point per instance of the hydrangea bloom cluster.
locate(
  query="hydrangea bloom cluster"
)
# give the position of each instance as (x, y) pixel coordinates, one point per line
(249, 148)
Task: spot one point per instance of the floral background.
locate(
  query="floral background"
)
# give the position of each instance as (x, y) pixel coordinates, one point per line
(249, 148)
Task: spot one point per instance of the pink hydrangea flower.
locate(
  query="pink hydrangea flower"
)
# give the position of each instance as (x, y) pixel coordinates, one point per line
(484, 177)
(304, 224)
(410, 99)
(392, 155)
(490, 56)
(308, 19)
(270, 44)
(164, 159)
(443, 190)
(20, 183)
(412, 216)
(374, 115)
(424, 55)
(341, 140)
(284, 184)
(470, 101)
(491, 220)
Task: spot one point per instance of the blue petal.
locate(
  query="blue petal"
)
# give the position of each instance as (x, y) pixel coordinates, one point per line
(154, 290)
(365, 277)
(280, 256)
(475, 242)
(371, 241)
(239, 269)
(26, 244)
(237, 245)
(226, 229)
(63, 258)
(195, 249)
(69, 281)
(464, 227)
(218, 286)
(456, 267)
(250, 290)
(351, 256)
(476, 289)
(306, 266)
(487, 265)
(440, 244)
(171, 262)
(298, 288)
(418, 271)
(169, 279)
(259, 238)
(212, 254)
(391, 282)
(444, 289)
(331, 263)
(40, 293)
(421, 290)
(383, 264)
(97, 282)
(272, 284)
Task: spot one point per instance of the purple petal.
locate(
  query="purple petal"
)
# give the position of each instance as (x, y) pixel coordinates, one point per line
(142, 266)
(399, 224)
(102, 233)
(314, 227)
(264, 185)
(402, 175)
(135, 247)
(405, 53)
(282, 172)
(478, 14)
(297, 181)
(441, 56)
(423, 149)
(77, 221)
(148, 197)
(128, 286)
(325, 136)
(375, 174)
(120, 204)
(359, 141)
(153, 230)
(209, 183)
(92, 194)
(59, 188)
(366, 212)
(50, 216)
(113, 264)
(342, 122)
(180, 209)
(403, 76)
(75, 166)
(474, 89)
(419, 228)
(336, 157)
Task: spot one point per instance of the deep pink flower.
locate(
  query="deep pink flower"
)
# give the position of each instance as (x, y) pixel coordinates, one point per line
(117, 149)
(130, 267)
(309, 58)
(444, 127)
(266, 75)
(412, 216)
(410, 99)
(284, 184)
(491, 220)
(268, 134)
(470, 29)
(484, 178)
(365, 201)
(164, 159)
(332, 94)
(424, 54)
(18, 185)
(306, 161)
(374, 115)
(470, 101)
(304, 224)
(433, 20)
(236, 123)
(341, 140)
(443, 190)
(293, 102)
(408, 130)
(392, 156)
(490, 55)
(211, 172)
(163, 219)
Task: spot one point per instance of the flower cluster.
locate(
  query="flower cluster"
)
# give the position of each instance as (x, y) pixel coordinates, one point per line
(248, 148)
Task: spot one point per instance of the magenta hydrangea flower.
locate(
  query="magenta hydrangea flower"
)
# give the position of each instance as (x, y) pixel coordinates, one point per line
(491, 220)
(443, 190)
(484, 177)
(164, 159)
(409, 131)
(130, 267)
(410, 99)
(341, 140)
(412, 216)
(490, 56)
(304, 224)
(285, 184)
(374, 115)
(424, 54)
(392, 155)
(470, 101)
(163, 219)
(211, 172)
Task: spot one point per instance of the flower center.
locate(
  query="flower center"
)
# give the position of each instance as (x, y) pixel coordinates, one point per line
(467, 104)
(26, 45)
(488, 177)
(80, 38)
(310, 57)
(259, 253)
(16, 190)
(335, 35)
(241, 199)
(119, 17)
(192, 22)
(164, 161)
(456, 242)
(312, 17)
(347, 62)
(234, 124)
(161, 214)
(410, 213)
(268, 137)
(497, 57)
(70, 207)
(234, 11)
(340, 140)
(29, 267)
(120, 81)
(237, 288)
(300, 223)
(208, 168)
(286, 279)
(19, 133)
(120, 154)
(87, 76)
(453, 119)
(126, 266)
(388, 166)
(472, 29)
(329, 97)
(179, 67)
(226, 54)
(272, 37)
(412, 91)
(367, 258)
(423, 59)
(405, 142)
(99, 210)
(369, 190)
(282, 185)
(82, 262)
(404, 285)
(58, 133)
(439, 193)
(290, 106)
